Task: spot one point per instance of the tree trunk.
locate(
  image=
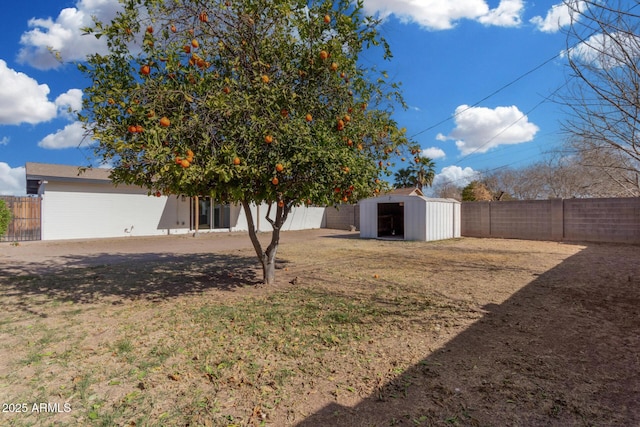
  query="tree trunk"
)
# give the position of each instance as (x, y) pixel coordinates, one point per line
(266, 257)
(269, 265)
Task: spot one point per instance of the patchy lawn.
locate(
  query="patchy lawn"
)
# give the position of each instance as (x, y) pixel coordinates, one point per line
(460, 332)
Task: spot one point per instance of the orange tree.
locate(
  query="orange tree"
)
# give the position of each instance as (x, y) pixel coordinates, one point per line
(246, 101)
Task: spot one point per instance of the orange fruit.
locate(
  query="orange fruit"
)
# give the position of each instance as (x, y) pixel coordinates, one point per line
(308, 117)
(145, 70)
(165, 122)
(275, 181)
(236, 161)
(195, 43)
(279, 167)
(268, 139)
(265, 79)
(185, 163)
(324, 55)
(327, 19)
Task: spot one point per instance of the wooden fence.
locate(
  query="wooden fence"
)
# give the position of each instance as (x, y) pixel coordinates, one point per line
(25, 224)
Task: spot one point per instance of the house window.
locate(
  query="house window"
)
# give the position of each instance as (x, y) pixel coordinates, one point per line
(210, 215)
(221, 216)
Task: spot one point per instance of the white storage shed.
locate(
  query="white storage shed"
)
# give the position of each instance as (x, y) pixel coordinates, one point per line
(406, 214)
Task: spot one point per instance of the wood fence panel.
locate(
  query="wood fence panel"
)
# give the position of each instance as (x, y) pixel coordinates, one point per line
(26, 222)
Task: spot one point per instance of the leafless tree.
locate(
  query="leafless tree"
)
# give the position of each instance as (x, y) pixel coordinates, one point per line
(603, 96)
(558, 175)
(447, 189)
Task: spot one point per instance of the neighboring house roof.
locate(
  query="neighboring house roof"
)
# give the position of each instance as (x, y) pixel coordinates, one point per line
(64, 172)
(37, 173)
(410, 191)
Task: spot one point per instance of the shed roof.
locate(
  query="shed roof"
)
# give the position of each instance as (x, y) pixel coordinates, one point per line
(383, 198)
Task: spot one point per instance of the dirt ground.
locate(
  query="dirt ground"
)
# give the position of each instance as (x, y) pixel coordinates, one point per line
(173, 330)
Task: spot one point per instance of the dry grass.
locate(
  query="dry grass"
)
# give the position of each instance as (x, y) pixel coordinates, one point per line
(442, 335)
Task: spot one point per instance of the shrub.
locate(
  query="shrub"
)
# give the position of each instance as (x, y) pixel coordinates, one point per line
(5, 217)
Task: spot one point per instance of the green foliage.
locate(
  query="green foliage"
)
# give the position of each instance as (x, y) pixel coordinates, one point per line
(421, 173)
(256, 70)
(5, 217)
(476, 191)
(246, 101)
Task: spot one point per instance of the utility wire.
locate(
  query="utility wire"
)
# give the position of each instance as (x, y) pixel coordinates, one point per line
(517, 79)
(524, 115)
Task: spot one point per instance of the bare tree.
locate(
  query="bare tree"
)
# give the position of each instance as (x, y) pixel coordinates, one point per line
(558, 175)
(603, 96)
(447, 189)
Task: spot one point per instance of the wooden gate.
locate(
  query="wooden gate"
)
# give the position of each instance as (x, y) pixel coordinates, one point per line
(25, 223)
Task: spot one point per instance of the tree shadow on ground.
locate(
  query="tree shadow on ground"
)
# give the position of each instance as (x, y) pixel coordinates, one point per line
(563, 351)
(151, 276)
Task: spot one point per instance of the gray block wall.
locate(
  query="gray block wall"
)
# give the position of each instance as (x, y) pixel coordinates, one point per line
(594, 220)
(343, 217)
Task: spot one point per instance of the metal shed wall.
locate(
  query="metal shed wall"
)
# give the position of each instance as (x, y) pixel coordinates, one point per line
(443, 219)
(424, 219)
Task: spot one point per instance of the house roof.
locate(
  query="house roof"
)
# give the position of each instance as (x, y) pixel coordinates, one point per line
(409, 191)
(45, 171)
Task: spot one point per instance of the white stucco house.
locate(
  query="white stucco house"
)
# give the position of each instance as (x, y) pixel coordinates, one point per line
(406, 214)
(87, 205)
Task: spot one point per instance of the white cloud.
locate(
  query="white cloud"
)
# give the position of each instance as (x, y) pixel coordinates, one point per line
(64, 35)
(12, 180)
(479, 129)
(558, 16)
(507, 14)
(5, 140)
(22, 99)
(70, 100)
(443, 14)
(607, 51)
(434, 153)
(72, 135)
(456, 175)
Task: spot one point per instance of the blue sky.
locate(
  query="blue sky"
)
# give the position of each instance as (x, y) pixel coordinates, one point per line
(449, 55)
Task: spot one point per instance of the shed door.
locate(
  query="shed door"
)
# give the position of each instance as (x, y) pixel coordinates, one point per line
(391, 220)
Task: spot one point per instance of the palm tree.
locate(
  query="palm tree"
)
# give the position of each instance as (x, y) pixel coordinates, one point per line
(417, 175)
(403, 178)
(423, 171)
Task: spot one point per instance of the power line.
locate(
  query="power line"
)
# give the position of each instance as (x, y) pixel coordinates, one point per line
(517, 79)
(524, 115)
